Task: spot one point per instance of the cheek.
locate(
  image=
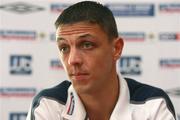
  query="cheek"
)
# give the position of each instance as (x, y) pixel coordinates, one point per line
(64, 63)
(102, 61)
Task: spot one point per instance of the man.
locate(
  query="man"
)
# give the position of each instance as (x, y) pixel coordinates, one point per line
(89, 47)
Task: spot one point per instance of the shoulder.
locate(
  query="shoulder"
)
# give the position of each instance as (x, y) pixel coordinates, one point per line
(45, 102)
(57, 93)
(140, 93)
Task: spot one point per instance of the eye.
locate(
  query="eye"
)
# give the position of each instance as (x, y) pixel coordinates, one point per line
(87, 45)
(64, 49)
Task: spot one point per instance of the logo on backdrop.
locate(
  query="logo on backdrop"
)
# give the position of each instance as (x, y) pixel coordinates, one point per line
(170, 63)
(174, 91)
(20, 64)
(56, 64)
(169, 8)
(18, 116)
(133, 36)
(21, 7)
(130, 65)
(169, 36)
(132, 9)
(17, 35)
(17, 92)
(52, 36)
(58, 7)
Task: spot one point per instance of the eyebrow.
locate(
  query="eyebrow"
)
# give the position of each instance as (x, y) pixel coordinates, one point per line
(59, 39)
(80, 37)
(86, 36)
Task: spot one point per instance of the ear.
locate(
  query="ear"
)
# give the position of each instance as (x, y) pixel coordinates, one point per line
(118, 44)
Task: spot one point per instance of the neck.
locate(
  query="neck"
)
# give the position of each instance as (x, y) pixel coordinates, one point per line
(100, 104)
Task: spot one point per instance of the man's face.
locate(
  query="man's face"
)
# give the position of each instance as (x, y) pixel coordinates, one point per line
(87, 55)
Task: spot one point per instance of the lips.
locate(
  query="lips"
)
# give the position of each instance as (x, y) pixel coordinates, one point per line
(79, 76)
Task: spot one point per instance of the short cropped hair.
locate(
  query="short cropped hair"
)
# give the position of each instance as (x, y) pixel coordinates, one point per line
(92, 12)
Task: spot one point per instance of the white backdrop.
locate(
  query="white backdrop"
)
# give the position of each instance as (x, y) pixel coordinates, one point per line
(29, 56)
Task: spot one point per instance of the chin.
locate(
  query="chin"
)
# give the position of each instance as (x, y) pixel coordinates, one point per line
(82, 89)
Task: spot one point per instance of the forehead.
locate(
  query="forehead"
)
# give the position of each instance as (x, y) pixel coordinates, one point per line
(77, 28)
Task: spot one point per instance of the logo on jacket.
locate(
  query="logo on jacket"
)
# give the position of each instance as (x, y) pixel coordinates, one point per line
(71, 105)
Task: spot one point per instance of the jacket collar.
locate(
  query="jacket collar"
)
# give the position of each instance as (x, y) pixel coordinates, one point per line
(74, 109)
(123, 102)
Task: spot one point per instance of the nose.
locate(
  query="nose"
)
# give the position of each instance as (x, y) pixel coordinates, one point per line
(75, 58)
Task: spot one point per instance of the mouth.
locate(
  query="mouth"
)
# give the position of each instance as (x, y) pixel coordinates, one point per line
(79, 76)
